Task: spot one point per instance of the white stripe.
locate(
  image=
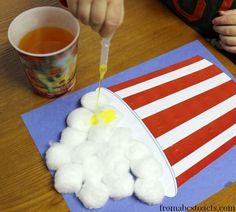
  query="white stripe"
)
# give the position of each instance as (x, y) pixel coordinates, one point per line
(204, 151)
(197, 66)
(187, 128)
(180, 96)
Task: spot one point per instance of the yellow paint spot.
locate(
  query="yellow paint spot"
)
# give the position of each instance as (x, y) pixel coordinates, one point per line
(106, 117)
(94, 120)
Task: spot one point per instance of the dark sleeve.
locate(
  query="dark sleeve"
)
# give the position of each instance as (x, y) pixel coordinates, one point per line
(64, 3)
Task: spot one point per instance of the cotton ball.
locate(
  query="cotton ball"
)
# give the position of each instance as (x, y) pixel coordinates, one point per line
(147, 168)
(104, 150)
(149, 191)
(68, 178)
(137, 151)
(119, 186)
(121, 139)
(84, 151)
(116, 163)
(80, 118)
(57, 155)
(100, 133)
(93, 195)
(93, 169)
(89, 100)
(72, 136)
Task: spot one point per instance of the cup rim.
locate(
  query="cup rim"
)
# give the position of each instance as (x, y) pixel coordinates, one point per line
(51, 53)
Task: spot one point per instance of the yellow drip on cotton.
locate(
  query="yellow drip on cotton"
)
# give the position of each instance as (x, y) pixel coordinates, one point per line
(106, 117)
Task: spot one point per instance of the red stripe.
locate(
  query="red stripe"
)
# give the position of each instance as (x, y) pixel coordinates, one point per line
(145, 97)
(205, 162)
(194, 141)
(170, 118)
(154, 74)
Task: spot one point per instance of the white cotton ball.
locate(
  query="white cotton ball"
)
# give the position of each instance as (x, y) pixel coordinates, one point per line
(119, 186)
(100, 133)
(89, 100)
(116, 163)
(57, 155)
(68, 178)
(83, 151)
(122, 133)
(93, 195)
(149, 191)
(93, 169)
(138, 151)
(147, 168)
(104, 150)
(72, 136)
(121, 139)
(80, 118)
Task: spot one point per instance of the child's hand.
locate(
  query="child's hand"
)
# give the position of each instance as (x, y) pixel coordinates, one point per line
(104, 16)
(225, 25)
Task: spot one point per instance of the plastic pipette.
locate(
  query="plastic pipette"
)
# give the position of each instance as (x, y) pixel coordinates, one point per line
(103, 62)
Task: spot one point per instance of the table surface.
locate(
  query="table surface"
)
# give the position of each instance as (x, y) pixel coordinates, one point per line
(149, 30)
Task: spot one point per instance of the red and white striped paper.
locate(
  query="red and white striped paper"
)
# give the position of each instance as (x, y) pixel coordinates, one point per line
(190, 108)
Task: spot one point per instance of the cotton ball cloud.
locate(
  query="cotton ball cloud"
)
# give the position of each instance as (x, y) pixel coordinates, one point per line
(137, 151)
(72, 136)
(119, 186)
(149, 191)
(57, 155)
(89, 100)
(95, 155)
(147, 168)
(68, 178)
(93, 195)
(80, 119)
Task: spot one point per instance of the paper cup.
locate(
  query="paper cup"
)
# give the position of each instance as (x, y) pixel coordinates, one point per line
(51, 74)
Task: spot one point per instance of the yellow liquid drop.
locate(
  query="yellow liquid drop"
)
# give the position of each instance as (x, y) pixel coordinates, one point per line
(102, 72)
(106, 116)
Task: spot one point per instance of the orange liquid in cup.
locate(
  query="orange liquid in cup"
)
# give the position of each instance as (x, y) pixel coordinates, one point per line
(45, 40)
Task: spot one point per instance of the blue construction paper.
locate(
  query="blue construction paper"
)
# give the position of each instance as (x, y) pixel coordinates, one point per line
(45, 124)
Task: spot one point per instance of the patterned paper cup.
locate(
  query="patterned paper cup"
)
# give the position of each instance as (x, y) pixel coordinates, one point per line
(51, 74)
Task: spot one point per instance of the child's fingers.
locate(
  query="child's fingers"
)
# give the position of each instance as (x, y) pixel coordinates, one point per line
(225, 20)
(98, 14)
(72, 6)
(228, 12)
(225, 30)
(84, 9)
(228, 48)
(228, 40)
(114, 17)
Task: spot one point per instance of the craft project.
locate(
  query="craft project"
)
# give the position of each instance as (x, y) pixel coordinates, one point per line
(45, 124)
(94, 156)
